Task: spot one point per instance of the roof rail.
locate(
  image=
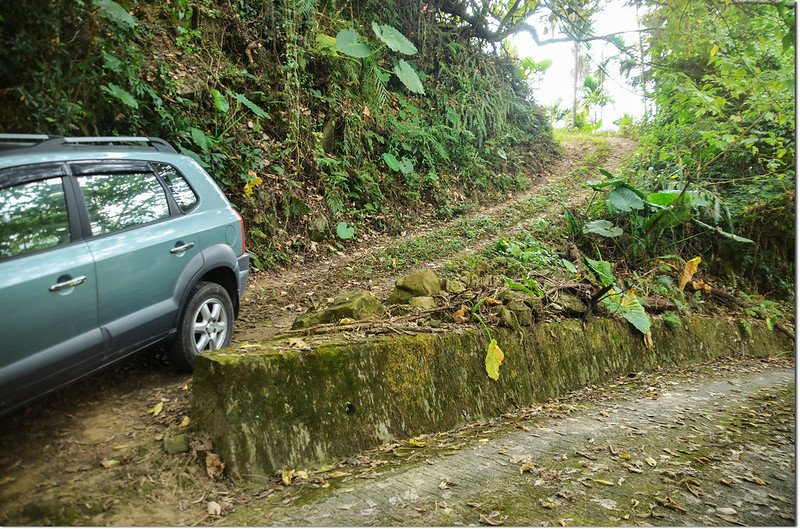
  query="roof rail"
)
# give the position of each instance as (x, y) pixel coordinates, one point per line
(12, 141)
(156, 143)
(45, 142)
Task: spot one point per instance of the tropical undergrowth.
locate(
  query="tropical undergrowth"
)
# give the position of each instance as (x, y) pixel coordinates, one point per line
(320, 120)
(721, 142)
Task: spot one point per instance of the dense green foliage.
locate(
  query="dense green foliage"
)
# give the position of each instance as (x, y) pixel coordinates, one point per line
(307, 113)
(722, 77)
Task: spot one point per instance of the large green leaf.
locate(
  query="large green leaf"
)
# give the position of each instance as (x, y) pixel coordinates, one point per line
(598, 185)
(255, 109)
(395, 40)
(602, 227)
(601, 269)
(121, 94)
(349, 42)
(408, 76)
(115, 13)
(625, 199)
(391, 161)
(406, 166)
(220, 103)
(628, 306)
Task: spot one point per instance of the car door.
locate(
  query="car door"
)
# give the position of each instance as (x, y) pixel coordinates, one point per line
(141, 243)
(48, 286)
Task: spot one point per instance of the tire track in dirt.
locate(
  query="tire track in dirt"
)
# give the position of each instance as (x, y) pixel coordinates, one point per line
(276, 299)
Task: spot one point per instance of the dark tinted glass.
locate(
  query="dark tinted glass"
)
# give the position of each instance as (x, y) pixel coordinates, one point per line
(119, 201)
(33, 216)
(177, 185)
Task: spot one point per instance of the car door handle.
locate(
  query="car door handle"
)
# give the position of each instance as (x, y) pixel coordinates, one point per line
(182, 248)
(69, 283)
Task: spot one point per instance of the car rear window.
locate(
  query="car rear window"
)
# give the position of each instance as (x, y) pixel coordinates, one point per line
(122, 200)
(178, 186)
(33, 216)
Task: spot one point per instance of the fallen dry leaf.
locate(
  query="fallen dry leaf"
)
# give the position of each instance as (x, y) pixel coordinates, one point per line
(286, 476)
(648, 340)
(446, 484)
(215, 468)
(527, 467)
(689, 271)
(548, 504)
(418, 443)
(603, 482)
(338, 474)
(491, 519)
(108, 463)
(460, 316)
(214, 508)
(650, 461)
(155, 410)
(185, 422)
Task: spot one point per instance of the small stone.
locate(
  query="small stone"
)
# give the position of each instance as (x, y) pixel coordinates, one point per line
(423, 302)
(571, 304)
(415, 284)
(454, 287)
(355, 305)
(176, 444)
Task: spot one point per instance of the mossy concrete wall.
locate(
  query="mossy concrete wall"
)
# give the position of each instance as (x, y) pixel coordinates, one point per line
(269, 407)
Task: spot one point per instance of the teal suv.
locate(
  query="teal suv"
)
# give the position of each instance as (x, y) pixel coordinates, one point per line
(109, 246)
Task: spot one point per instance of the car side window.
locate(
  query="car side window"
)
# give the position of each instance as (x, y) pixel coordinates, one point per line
(178, 186)
(33, 216)
(122, 200)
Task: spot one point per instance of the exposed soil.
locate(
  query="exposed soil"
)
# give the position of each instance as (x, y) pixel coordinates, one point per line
(92, 453)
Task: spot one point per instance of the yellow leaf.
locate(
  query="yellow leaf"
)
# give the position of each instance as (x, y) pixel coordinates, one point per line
(527, 467)
(603, 482)
(108, 463)
(648, 340)
(701, 285)
(417, 443)
(7, 479)
(155, 410)
(302, 474)
(338, 474)
(185, 422)
(286, 476)
(494, 358)
(689, 271)
(714, 50)
(650, 461)
(255, 181)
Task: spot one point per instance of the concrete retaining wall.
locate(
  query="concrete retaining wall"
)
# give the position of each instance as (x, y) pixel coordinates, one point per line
(269, 407)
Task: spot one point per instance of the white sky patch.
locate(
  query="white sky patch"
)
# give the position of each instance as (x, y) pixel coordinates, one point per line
(556, 83)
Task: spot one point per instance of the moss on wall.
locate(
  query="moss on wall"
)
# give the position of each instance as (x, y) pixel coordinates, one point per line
(267, 408)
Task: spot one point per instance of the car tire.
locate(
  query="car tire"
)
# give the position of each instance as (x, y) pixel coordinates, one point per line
(205, 325)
